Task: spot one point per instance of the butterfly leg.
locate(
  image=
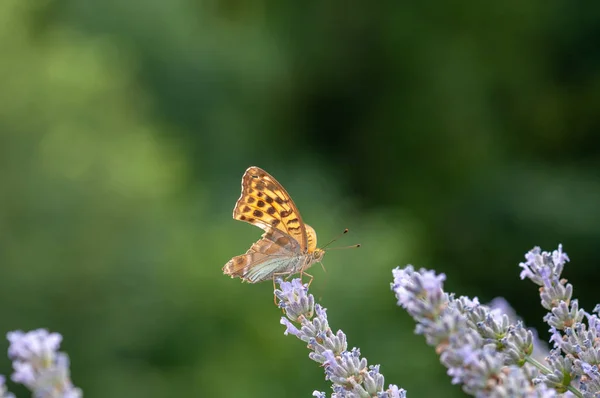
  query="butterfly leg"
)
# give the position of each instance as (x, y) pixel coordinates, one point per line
(311, 279)
(302, 273)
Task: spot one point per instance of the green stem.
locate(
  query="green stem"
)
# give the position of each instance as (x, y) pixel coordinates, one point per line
(546, 371)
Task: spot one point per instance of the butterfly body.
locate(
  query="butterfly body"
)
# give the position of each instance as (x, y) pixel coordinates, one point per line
(288, 246)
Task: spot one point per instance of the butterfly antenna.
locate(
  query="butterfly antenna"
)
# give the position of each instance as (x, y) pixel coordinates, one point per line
(336, 238)
(345, 247)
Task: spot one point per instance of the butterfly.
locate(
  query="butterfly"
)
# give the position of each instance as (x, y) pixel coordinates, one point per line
(288, 245)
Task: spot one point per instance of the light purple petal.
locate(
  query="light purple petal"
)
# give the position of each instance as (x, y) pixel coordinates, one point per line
(290, 328)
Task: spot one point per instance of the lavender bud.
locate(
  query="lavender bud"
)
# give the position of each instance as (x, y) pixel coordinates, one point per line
(518, 344)
(561, 372)
(561, 316)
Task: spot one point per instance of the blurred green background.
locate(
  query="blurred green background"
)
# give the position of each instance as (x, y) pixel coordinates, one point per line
(453, 136)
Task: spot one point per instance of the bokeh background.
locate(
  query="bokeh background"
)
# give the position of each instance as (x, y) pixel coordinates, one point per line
(454, 136)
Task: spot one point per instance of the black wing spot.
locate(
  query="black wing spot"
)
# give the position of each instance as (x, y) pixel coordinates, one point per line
(279, 200)
(271, 210)
(251, 199)
(260, 203)
(275, 222)
(258, 213)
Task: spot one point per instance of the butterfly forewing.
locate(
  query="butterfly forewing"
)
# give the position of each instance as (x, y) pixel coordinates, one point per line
(266, 204)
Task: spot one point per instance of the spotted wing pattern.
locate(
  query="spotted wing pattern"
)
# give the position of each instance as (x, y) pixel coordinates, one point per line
(266, 204)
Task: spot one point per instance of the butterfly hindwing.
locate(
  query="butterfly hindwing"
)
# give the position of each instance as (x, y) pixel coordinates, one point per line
(274, 253)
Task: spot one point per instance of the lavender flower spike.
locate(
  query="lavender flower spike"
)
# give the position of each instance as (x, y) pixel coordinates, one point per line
(3, 392)
(574, 362)
(39, 366)
(349, 373)
(480, 348)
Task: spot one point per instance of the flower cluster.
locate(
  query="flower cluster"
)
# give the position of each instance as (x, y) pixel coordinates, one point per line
(39, 366)
(349, 373)
(486, 349)
(490, 352)
(574, 361)
(482, 350)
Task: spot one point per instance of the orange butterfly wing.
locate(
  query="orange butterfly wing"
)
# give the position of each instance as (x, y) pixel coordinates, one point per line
(266, 204)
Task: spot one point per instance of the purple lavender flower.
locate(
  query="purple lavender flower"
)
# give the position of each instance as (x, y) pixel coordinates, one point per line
(482, 350)
(544, 269)
(573, 364)
(499, 307)
(39, 366)
(3, 391)
(349, 373)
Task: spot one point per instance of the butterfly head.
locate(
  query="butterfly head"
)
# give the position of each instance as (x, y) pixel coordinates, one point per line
(311, 240)
(317, 255)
